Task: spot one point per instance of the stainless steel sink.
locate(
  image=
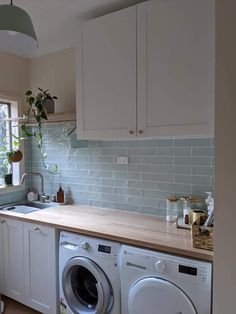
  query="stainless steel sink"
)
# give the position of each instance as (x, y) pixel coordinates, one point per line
(25, 208)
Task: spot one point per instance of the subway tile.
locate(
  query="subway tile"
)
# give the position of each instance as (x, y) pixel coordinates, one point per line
(142, 168)
(141, 201)
(175, 169)
(115, 198)
(114, 151)
(203, 151)
(127, 191)
(142, 185)
(174, 188)
(193, 142)
(161, 177)
(127, 175)
(158, 143)
(201, 189)
(141, 151)
(193, 161)
(158, 160)
(128, 144)
(202, 171)
(101, 159)
(100, 174)
(128, 207)
(155, 194)
(201, 180)
(174, 151)
(114, 183)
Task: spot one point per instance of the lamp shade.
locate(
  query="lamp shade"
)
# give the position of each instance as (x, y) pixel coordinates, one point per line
(17, 33)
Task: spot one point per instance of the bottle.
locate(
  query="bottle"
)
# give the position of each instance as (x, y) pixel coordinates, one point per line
(172, 209)
(60, 195)
(209, 202)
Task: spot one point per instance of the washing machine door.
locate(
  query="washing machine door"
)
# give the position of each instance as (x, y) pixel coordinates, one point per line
(86, 287)
(158, 296)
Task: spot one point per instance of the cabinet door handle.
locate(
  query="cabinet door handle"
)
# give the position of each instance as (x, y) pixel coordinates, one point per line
(3, 221)
(36, 228)
(140, 131)
(131, 132)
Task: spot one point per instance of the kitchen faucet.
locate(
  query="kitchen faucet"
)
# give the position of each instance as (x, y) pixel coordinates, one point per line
(34, 174)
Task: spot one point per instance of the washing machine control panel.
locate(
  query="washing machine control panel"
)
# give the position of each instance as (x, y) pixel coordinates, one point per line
(89, 246)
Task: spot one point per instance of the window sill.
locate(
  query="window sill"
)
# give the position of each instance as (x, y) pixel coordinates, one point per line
(12, 188)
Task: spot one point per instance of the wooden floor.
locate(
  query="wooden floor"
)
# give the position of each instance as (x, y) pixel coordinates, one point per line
(13, 307)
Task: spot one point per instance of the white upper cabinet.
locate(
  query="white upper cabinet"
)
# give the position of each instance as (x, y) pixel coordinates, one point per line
(175, 67)
(147, 71)
(106, 86)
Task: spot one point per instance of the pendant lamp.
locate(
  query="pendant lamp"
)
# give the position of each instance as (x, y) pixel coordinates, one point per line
(17, 35)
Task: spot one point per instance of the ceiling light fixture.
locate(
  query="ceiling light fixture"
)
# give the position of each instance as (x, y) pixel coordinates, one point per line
(17, 33)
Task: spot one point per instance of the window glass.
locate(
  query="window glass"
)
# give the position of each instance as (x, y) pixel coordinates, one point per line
(5, 139)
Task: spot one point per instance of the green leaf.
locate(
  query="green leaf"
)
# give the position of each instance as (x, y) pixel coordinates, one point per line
(28, 93)
(39, 105)
(31, 100)
(44, 115)
(25, 130)
(41, 90)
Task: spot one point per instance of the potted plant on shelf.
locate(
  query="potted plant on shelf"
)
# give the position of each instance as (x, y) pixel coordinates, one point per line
(37, 110)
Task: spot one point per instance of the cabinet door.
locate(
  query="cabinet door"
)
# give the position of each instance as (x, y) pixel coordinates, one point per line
(175, 67)
(106, 73)
(40, 267)
(1, 258)
(13, 259)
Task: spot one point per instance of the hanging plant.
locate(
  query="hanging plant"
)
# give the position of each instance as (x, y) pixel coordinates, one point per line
(38, 111)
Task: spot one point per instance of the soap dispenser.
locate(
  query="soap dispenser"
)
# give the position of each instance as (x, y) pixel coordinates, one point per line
(209, 202)
(60, 195)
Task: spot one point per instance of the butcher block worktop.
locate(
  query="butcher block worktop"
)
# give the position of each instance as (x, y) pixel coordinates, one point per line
(126, 227)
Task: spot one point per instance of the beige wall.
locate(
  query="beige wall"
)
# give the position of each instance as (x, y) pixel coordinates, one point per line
(225, 218)
(55, 71)
(13, 76)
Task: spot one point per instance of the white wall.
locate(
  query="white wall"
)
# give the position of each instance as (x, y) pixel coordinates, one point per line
(55, 71)
(225, 218)
(13, 76)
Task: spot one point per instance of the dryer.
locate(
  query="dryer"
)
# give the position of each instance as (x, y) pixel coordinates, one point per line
(89, 275)
(157, 283)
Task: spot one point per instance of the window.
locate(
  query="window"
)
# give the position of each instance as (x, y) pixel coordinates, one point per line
(8, 109)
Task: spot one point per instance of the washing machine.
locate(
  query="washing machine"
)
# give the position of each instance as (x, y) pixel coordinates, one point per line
(157, 283)
(89, 275)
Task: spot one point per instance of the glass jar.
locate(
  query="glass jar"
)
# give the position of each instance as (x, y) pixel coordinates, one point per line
(172, 209)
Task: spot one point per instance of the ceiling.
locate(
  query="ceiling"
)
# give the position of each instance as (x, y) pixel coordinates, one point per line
(57, 22)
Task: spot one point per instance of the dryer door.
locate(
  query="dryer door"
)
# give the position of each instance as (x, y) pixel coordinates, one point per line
(86, 287)
(158, 296)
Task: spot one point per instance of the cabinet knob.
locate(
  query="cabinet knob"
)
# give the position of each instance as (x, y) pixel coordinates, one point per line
(140, 131)
(131, 132)
(36, 228)
(3, 221)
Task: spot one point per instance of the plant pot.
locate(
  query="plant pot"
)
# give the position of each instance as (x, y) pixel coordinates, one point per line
(16, 156)
(8, 179)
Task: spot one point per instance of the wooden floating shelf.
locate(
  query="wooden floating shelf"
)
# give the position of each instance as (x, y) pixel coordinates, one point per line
(53, 118)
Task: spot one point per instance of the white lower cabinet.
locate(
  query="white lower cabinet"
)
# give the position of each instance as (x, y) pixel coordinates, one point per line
(28, 264)
(40, 267)
(13, 259)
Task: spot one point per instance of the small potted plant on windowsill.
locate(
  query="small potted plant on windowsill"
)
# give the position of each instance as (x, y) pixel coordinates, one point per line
(8, 157)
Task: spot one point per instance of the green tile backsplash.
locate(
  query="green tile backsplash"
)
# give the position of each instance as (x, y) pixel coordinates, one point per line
(157, 169)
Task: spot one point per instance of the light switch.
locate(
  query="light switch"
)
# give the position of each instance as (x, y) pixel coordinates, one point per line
(122, 160)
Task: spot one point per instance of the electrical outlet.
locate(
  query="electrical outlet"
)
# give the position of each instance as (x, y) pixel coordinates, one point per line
(122, 160)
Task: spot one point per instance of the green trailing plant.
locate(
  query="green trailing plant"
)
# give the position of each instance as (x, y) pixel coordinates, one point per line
(37, 110)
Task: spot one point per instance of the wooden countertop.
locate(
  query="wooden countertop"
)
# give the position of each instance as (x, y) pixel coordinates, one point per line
(126, 227)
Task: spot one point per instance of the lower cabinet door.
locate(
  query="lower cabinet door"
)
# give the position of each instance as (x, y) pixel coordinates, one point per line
(13, 255)
(40, 268)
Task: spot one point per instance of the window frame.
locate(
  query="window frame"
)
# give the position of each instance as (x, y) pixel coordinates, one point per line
(18, 168)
